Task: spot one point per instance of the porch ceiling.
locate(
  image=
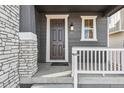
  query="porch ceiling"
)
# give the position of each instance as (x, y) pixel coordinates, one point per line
(106, 10)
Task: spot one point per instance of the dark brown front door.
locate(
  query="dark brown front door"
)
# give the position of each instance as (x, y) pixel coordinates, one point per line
(57, 39)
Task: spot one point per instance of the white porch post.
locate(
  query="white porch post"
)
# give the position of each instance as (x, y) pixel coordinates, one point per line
(74, 68)
(122, 60)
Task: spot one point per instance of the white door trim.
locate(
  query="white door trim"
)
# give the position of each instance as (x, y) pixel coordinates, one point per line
(48, 37)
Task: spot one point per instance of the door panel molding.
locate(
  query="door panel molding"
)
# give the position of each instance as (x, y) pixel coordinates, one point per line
(48, 37)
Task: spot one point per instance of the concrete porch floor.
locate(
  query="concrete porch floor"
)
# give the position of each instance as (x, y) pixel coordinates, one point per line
(46, 70)
(49, 76)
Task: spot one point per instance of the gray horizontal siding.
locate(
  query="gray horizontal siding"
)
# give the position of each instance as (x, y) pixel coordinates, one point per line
(73, 37)
(41, 35)
(27, 18)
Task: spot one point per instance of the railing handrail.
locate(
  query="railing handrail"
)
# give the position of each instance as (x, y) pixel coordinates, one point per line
(97, 48)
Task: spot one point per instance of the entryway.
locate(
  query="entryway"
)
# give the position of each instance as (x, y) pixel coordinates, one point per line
(47, 74)
(57, 38)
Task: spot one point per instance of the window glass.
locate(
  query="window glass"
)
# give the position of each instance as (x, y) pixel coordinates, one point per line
(89, 23)
(88, 28)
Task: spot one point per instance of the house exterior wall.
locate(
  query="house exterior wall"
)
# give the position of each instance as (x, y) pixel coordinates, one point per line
(73, 37)
(9, 41)
(116, 21)
(116, 40)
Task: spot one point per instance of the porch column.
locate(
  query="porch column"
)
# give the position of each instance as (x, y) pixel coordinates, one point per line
(27, 18)
(27, 54)
(27, 42)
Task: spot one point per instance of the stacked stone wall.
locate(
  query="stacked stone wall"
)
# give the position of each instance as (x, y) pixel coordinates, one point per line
(9, 45)
(27, 54)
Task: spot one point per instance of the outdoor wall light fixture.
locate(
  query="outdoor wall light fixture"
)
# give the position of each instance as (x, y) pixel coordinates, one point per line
(72, 27)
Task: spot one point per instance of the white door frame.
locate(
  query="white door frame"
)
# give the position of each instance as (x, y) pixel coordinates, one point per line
(48, 37)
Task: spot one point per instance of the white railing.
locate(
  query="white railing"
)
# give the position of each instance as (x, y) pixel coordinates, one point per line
(96, 61)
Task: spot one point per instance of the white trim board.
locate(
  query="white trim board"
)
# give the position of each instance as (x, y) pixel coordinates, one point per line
(94, 28)
(48, 37)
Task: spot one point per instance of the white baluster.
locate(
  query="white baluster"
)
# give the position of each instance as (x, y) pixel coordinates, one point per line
(95, 59)
(99, 60)
(114, 60)
(103, 61)
(122, 59)
(107, 61)
(118, 60)
(111, 59)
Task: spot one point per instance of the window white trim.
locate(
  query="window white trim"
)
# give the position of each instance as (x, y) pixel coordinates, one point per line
(94, 28)
(112, 24)
(48, 37)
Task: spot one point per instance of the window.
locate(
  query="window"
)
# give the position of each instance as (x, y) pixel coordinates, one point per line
(88, 32)
(115, 23)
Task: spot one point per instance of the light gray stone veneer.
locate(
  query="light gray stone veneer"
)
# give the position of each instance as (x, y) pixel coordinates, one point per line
(27, 54)
(9, 46)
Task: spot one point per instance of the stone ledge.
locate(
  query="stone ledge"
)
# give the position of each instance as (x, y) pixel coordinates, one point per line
(27, 36)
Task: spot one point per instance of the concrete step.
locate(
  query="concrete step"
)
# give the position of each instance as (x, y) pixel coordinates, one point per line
(45, 80)
(101, 80)
(79, 86)
(69, 80)
(59, 74)
(53, 80)
(52, 86)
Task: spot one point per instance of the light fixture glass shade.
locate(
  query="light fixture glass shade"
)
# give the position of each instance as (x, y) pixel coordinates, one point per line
(71, 27)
